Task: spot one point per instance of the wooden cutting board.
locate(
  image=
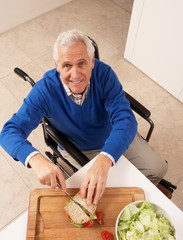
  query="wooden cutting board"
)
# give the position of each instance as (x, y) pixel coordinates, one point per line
(48, 220)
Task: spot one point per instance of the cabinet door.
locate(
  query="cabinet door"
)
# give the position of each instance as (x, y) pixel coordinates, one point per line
(155, 42)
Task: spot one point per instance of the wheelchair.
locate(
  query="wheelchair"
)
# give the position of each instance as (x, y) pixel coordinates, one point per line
(53, 138)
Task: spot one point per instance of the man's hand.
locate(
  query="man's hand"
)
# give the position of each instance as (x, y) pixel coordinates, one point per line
(95, 180)
(47, 172)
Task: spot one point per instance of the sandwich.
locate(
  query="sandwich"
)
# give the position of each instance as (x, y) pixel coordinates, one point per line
(82, 215)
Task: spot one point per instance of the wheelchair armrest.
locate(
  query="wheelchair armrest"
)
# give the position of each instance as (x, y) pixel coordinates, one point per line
(65, 143)
(142, 111)
(138, 107)
(24, 75)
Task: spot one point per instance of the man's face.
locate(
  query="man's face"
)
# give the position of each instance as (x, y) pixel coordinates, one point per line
(75, 66)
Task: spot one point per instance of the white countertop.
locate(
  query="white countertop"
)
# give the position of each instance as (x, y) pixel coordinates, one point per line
(123, 174)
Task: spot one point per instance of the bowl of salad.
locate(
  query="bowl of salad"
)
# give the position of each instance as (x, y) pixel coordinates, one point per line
(144, 220)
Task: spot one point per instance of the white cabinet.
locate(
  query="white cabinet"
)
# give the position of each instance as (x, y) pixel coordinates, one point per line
(15, 12)
(155, 42)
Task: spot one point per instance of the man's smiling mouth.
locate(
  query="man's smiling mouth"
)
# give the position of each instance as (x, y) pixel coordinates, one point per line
(76, 82)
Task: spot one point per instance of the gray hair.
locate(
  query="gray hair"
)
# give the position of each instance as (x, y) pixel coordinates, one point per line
(69, 38)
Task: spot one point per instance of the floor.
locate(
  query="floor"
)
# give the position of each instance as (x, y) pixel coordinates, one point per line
(29, 46)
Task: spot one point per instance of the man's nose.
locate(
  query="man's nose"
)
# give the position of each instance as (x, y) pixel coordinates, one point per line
(75, 72)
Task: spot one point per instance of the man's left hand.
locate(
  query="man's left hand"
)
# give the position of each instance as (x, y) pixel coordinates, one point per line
(94, 182)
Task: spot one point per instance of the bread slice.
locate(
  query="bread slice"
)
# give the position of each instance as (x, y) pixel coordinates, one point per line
(91, 209)
(76, 213)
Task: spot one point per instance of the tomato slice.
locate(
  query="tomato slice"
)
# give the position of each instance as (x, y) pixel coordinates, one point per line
(69, 217)
(106, 235)
(99, 217)
(88, 224)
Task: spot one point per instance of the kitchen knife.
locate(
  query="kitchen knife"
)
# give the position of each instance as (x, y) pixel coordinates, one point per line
(83, 208)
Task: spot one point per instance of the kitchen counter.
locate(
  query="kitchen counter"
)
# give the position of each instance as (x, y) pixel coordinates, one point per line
(123, 174)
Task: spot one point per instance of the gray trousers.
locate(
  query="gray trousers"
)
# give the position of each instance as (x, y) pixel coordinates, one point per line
(140, 154)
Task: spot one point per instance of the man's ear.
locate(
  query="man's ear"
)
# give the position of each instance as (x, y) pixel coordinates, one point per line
(56, 65)
(93, 61)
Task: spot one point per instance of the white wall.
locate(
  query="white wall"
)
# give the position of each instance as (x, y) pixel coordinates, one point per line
(155, 42)
(15, 12)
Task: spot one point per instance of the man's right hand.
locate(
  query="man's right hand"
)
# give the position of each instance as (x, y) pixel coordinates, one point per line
(47, 172)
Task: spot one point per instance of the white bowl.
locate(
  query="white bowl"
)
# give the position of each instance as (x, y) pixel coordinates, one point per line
(156, 209)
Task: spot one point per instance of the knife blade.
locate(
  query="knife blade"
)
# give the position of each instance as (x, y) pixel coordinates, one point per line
(59, 186)
(72, 199)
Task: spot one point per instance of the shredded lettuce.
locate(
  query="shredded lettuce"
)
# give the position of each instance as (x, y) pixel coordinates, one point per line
(66, 203)
(93, 216)
(76, 225)
(142, 222)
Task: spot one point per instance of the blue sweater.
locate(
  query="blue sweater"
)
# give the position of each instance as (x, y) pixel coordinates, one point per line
(105, 120)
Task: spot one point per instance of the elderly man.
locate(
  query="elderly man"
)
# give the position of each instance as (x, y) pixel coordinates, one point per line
(83, 98)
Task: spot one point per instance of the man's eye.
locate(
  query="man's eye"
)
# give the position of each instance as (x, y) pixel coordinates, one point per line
(82, 63)
(66, 65)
